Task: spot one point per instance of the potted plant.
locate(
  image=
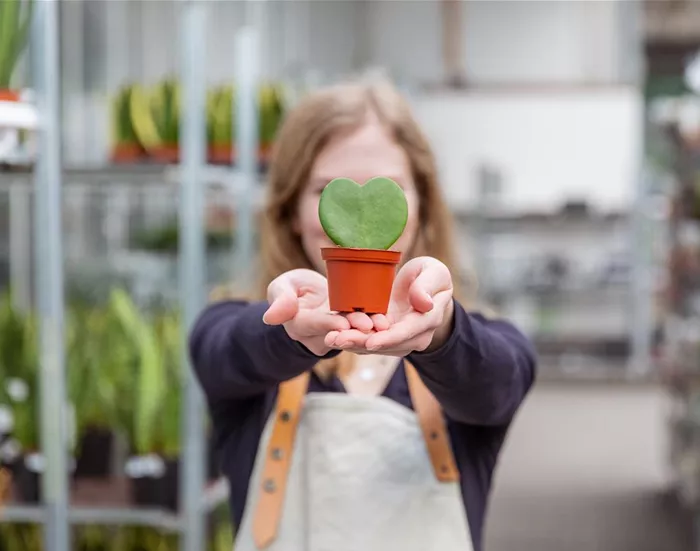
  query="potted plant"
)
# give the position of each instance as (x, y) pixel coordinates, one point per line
(165, 106)
(220, 128)
(19, 395)
(271, 111)
(15, 20)
(155, 119)
(126, 147)
(94, 364)
(153, 420)
(364, 222)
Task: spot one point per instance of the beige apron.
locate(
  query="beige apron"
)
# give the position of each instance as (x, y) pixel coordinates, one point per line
(348, 473)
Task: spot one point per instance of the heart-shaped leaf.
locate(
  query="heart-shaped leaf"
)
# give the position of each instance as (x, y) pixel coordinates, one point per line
(372, 216)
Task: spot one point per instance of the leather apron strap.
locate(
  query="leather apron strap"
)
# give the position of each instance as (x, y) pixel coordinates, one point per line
(278, 455)
(278, 459)
(432, 423)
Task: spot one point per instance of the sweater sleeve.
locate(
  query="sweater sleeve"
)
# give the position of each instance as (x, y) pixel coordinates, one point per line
(482, 373)
(236, 355)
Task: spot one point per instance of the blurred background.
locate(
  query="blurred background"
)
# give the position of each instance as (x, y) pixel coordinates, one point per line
(568, 140)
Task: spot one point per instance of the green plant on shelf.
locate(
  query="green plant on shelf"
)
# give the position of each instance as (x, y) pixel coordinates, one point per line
(271, 112)
(18, 372)
(220, 117)
(98, 360)
(155, 115)
(143, 422)
(148, 118)
(124, 138)
(15, 22)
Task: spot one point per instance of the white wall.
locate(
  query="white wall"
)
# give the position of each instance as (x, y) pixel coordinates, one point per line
(549, 147)
(524, 41)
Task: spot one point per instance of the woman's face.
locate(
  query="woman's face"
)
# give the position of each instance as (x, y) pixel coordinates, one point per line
(367, 152)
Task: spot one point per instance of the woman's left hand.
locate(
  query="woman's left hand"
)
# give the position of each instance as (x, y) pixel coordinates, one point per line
(419, 317)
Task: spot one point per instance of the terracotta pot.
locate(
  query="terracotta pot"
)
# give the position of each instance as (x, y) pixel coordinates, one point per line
(166, 154)
(220, 154)
(9, 95)
(360, 280)
(127, 153)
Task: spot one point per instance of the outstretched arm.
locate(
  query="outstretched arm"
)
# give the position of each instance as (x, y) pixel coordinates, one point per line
(483, 370)
(236, 355)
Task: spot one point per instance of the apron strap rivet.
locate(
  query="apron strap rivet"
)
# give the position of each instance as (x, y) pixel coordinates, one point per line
(277, 454)
(269, 486)
(285, 416)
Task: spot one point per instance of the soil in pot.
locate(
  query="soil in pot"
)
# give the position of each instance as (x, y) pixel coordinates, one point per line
(95, 456)
(360, 280)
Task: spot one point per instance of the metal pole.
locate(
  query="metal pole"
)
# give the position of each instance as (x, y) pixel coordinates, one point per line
(641, 307)
(192, 263)
(49, 280)
(247, 146)
(20, 246)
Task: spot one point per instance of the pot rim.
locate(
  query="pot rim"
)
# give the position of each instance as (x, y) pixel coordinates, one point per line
(353, 254)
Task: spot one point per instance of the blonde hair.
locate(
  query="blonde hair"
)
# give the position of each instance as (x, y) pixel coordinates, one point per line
(323, 115)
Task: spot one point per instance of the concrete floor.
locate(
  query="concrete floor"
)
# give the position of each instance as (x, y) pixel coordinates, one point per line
(584, 469)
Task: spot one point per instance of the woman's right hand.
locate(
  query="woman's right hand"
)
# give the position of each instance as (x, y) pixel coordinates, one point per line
(299, 301)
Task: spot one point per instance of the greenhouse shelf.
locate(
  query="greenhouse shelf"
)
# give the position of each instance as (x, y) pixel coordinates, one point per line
(98, 515)
(680, 362)
(214, 495)
(46, 180)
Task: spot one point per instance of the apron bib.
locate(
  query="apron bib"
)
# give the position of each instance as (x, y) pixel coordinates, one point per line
(349, 473)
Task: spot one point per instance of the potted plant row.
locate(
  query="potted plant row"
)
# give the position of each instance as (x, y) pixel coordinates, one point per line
(146, 122)
(124, 372)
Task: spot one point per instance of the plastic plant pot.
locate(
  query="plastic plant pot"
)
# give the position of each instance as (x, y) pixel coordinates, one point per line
(360, 280)
(364, 222)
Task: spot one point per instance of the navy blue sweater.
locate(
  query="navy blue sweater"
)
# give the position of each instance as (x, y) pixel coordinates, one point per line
(480, 377)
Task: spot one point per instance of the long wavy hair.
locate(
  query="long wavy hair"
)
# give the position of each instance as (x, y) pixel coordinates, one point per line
(314, 121)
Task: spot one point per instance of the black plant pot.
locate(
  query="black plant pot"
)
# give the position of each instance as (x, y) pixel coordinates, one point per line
(156, 487)
(25, 481)
(171, 485)
(95, 457)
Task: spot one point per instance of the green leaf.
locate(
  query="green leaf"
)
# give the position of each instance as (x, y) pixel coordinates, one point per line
(15, 23)
(151, 385)
(372, 216)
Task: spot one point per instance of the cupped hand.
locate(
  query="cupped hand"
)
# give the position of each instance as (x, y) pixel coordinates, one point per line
(419, 316)
(299, 302)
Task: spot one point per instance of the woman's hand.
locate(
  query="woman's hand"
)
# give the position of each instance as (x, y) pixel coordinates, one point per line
(299, 301)
(419, 318)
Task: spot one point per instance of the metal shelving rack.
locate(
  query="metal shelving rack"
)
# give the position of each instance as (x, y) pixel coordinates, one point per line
(56, 513)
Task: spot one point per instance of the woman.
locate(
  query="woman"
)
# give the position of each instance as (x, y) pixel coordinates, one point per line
(386, 429)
